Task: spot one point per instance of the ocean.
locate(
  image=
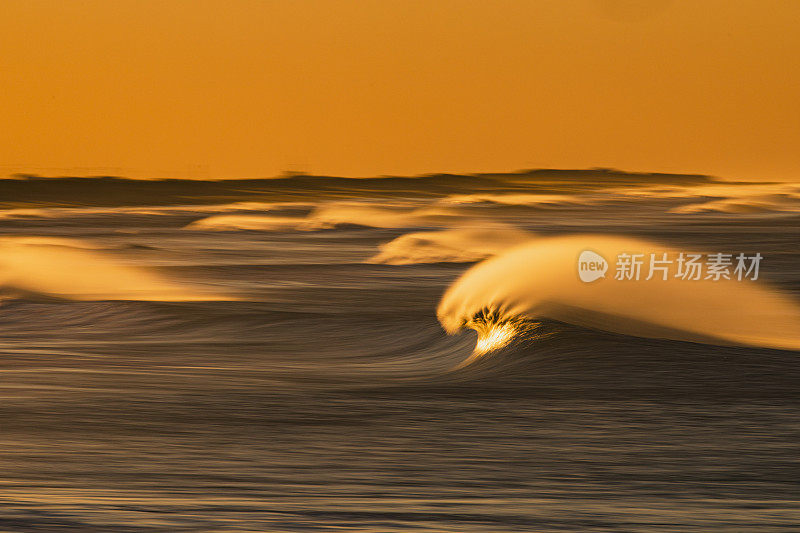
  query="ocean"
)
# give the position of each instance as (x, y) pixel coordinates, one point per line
(395, 355)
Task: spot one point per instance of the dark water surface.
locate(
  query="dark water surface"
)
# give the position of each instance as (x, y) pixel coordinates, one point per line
(322, 395)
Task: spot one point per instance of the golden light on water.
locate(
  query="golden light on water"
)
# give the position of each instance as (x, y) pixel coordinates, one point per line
(494, 339)
(490, 338)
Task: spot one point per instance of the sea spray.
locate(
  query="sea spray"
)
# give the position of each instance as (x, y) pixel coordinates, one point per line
(540, 279)
(69, 268)
(461, 244)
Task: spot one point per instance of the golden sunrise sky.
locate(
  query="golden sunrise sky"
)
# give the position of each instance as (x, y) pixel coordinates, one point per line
(250, 88)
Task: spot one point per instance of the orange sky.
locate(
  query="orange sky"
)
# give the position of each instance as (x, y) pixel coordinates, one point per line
(245, 88)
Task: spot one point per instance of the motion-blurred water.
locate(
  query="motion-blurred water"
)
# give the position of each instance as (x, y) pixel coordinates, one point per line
(297, 382)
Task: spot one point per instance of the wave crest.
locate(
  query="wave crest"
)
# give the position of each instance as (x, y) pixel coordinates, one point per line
(451, 245)
(245, 222)
(68, 268)
(540, 280)
(334, 215)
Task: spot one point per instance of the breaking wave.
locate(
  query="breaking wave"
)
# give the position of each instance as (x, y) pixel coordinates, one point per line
(330, 216)
(246, 222)
(451, 245)
(539, 280)
(729, 198)
(768, 203)
(518, 199)
(334, 215)
(71, 269)
(66, 212)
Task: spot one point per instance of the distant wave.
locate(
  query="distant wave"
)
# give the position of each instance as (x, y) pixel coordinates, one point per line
(722, 197)
(774, 203)
(67, 268)
(540, 280)
(245, 222)
(332, 215)
(21, 191)
(451, 245)
(36, 240)
(522, 199)
(730, 198)
(66, 212)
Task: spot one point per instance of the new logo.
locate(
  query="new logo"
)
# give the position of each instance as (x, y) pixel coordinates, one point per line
(591, 266)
